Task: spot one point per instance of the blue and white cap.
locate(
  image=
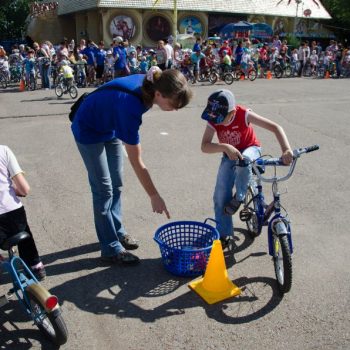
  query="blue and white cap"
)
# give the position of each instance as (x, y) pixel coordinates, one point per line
(220, 103)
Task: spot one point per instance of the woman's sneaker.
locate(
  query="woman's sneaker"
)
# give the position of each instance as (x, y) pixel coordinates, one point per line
(128, 242)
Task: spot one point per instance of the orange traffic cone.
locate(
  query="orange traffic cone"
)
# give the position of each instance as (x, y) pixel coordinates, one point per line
(215, 285)
(327, 76)
(242, 77)
(268, 75)
(22, 85)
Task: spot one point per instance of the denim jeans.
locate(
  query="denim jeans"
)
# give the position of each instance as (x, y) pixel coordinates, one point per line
(104, 164)
(230, 175)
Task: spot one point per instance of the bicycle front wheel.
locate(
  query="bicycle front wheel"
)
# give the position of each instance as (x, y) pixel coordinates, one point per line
(282, 261)
(73, 92)
(250, 206)
(51, 324)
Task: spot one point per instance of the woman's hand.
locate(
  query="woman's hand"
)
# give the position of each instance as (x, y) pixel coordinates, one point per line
(232, 152)
(287, 156)
(158, 205)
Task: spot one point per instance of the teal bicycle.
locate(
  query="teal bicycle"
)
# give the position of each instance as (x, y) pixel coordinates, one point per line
(257, 214)
(41, 306)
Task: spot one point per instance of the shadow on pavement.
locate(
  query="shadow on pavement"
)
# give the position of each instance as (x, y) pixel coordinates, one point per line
(124, 291)
(14, 338)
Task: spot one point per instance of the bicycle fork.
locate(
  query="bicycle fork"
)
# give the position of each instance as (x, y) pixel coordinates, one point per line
(279, 225)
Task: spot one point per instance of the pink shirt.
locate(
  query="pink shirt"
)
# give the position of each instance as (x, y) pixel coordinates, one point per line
(9, 167)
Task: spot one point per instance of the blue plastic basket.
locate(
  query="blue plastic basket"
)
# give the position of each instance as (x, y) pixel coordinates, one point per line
(185, 246)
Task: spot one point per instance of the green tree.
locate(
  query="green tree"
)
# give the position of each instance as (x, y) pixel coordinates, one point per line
(340, 12)
(13, 15)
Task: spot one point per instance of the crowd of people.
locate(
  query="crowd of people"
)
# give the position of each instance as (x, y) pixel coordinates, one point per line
(94, 64)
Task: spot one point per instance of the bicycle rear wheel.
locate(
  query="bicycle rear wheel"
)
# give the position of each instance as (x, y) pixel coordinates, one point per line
(282, 261)
(51, 324)
(278, 72)
(252, 74)
(250, 209)
(73, 92)
(228, 78)
(59, 90)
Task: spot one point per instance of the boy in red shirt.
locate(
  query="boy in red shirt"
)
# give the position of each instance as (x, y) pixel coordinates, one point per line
(236, 141)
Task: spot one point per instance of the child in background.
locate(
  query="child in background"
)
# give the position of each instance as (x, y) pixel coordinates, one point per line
(12, 214)
(132, 61)
(29, 66)
(237, 141)
(81, 70)
(68, 73)
(109, 65)
(143, 65)
(313, 61)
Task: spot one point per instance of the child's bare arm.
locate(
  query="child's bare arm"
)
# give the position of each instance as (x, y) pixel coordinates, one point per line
(20, 185)
(212, 147)
(256, 119)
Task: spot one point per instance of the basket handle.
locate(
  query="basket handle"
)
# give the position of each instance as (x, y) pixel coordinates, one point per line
(205, 221)
(157, 240)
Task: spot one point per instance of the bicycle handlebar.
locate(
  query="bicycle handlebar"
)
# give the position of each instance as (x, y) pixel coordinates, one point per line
(278, 162)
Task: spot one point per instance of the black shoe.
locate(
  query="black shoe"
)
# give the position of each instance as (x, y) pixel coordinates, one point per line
(123, 258)
(227, 242)
(232, 206)
(128, 242)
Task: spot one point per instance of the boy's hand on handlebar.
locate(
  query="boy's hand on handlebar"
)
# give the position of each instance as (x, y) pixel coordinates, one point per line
(287, 157)
(158, 205)
(233, 153)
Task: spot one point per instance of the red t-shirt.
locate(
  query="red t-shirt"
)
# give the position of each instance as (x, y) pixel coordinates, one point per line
(238, 132)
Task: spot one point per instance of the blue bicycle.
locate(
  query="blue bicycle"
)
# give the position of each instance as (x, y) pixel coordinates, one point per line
(41, 306)
(257, 213)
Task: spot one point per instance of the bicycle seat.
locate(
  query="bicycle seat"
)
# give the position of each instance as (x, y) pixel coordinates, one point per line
(7, 244)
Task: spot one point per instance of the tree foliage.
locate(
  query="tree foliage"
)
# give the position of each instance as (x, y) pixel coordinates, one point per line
(13, 15)
(340, 12)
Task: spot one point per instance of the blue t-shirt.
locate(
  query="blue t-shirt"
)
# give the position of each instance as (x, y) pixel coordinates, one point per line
(121, 54)
(100, 55)
(89, 52)
(109, 114)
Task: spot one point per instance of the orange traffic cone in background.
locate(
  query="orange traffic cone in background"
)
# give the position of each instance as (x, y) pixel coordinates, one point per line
(268, 75)
(22, 85)
(327, 76)
(215, 285)
(242, 77)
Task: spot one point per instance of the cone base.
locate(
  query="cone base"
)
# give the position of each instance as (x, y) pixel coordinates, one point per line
(212, 297)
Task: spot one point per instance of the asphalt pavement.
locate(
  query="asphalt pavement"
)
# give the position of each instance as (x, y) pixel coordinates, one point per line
(145, 307)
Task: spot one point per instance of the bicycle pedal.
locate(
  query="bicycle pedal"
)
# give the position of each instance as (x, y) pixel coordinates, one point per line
(245, 214)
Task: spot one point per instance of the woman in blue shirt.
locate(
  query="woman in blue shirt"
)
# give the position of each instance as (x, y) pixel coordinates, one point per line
(104, 121)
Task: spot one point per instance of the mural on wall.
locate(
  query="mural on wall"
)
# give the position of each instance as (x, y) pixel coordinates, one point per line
(280, 26)
(123, 26)
(158, 28)
(190, 25)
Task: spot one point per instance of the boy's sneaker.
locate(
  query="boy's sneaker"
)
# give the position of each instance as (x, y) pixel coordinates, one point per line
(39, 272)
(232, 206)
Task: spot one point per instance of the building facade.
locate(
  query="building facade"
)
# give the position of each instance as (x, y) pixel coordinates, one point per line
(144, 22)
